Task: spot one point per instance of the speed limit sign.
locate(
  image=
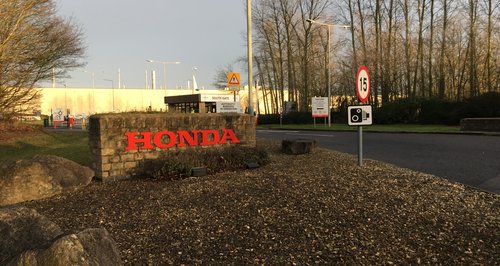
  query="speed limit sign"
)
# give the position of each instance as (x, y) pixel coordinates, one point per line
(363, 84)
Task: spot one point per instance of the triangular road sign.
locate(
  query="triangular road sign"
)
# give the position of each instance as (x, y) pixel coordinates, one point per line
(233, 79)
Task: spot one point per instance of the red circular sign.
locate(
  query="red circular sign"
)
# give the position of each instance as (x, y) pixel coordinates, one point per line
(363, 84)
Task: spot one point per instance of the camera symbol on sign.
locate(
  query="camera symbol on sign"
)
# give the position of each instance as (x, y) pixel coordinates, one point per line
(359, 115)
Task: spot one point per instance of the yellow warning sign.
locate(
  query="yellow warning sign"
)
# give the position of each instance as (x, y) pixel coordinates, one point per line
(233, 79)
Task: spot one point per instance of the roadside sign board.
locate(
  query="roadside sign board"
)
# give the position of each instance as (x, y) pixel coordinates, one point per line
(57, 114)
(319, 107)
(363, 84)
(228, 107)
(233, 79)
(360, 115)
(219, 98)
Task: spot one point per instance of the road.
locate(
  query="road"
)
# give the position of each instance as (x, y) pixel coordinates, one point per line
(473, 160)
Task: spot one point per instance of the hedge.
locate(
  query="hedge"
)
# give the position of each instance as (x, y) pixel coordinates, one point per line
(409, 111)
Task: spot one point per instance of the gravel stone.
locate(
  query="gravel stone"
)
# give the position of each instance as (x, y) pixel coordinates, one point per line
(317, 208)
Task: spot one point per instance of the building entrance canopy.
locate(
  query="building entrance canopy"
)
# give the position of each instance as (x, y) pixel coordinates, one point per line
(198, 103)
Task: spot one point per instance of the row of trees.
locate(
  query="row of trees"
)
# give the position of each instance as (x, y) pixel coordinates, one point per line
(449, 49)
(35, 45)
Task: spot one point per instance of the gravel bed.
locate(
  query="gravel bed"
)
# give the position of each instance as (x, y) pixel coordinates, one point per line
(319, 208)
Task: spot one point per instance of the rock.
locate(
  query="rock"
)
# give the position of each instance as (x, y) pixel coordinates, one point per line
(198, 171)
(92, 246)
(298, 146)
(40, 177)
(22, 229)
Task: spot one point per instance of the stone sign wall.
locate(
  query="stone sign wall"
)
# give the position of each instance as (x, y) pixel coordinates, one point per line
(118, 142)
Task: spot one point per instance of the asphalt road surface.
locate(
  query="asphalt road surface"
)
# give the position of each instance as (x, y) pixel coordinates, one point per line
(473, 160)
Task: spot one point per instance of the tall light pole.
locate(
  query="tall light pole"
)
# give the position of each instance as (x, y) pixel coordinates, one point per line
(330, 55)
(93, 78)
(249, 54)
(195, 84)
(165, 63)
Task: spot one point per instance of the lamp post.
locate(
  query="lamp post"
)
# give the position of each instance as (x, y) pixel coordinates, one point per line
(329, 26)
(165, 63)
(195, 84)
(249, 55)
(113, 91)
(93, 78)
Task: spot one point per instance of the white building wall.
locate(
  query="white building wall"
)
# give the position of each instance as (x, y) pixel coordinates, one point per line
(102, 100)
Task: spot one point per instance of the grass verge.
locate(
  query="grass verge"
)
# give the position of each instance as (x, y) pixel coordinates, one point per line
(407, 128)
(72, 145)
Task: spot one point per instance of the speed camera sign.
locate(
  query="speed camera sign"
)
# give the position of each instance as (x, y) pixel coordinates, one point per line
(363, 84)
(360, 115)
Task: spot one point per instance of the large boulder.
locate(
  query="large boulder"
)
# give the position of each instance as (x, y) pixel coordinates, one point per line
(92, 246)
(23, 229)
(40, 177)
(29, 239)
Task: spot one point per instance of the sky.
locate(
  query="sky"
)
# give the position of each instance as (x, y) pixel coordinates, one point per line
(123, 34)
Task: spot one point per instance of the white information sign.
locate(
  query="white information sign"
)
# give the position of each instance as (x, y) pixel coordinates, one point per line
(229, 107)
(219, 98)
(319, 107)
(58, 114)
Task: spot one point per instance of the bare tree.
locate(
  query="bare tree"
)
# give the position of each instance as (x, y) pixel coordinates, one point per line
(220, 79)
(430, 76)
(442, 52)
(472, 51)
(407, 47)
(378, 32)
(418, 85)
(387, 69)
(35, 45)
(353, 40)
(489, 68)
(288, 10)
(422, 48)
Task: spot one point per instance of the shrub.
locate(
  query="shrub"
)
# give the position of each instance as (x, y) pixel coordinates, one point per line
(401, 111)
(268, 119)
(178, 165)
(298, 118)
(436, 111)
(289, 118)
(485, 105)
(410, 111)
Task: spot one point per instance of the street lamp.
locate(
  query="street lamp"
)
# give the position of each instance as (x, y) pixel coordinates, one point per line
(164, 69)
(93, 78)
(113, 90)
(195, 85)
(329, 26)
(249, 55)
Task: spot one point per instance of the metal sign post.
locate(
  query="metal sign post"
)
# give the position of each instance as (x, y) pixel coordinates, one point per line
(233, 82)
(361, 115)
(360, 145)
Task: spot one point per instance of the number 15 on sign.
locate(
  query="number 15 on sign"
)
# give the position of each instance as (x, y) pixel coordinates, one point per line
(363, 84)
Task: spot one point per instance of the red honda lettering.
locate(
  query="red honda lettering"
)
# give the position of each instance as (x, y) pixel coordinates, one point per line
(172, 140)
(180, 138)
(132, 140)
(228, 134)
(184, 135)
(205, 137)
